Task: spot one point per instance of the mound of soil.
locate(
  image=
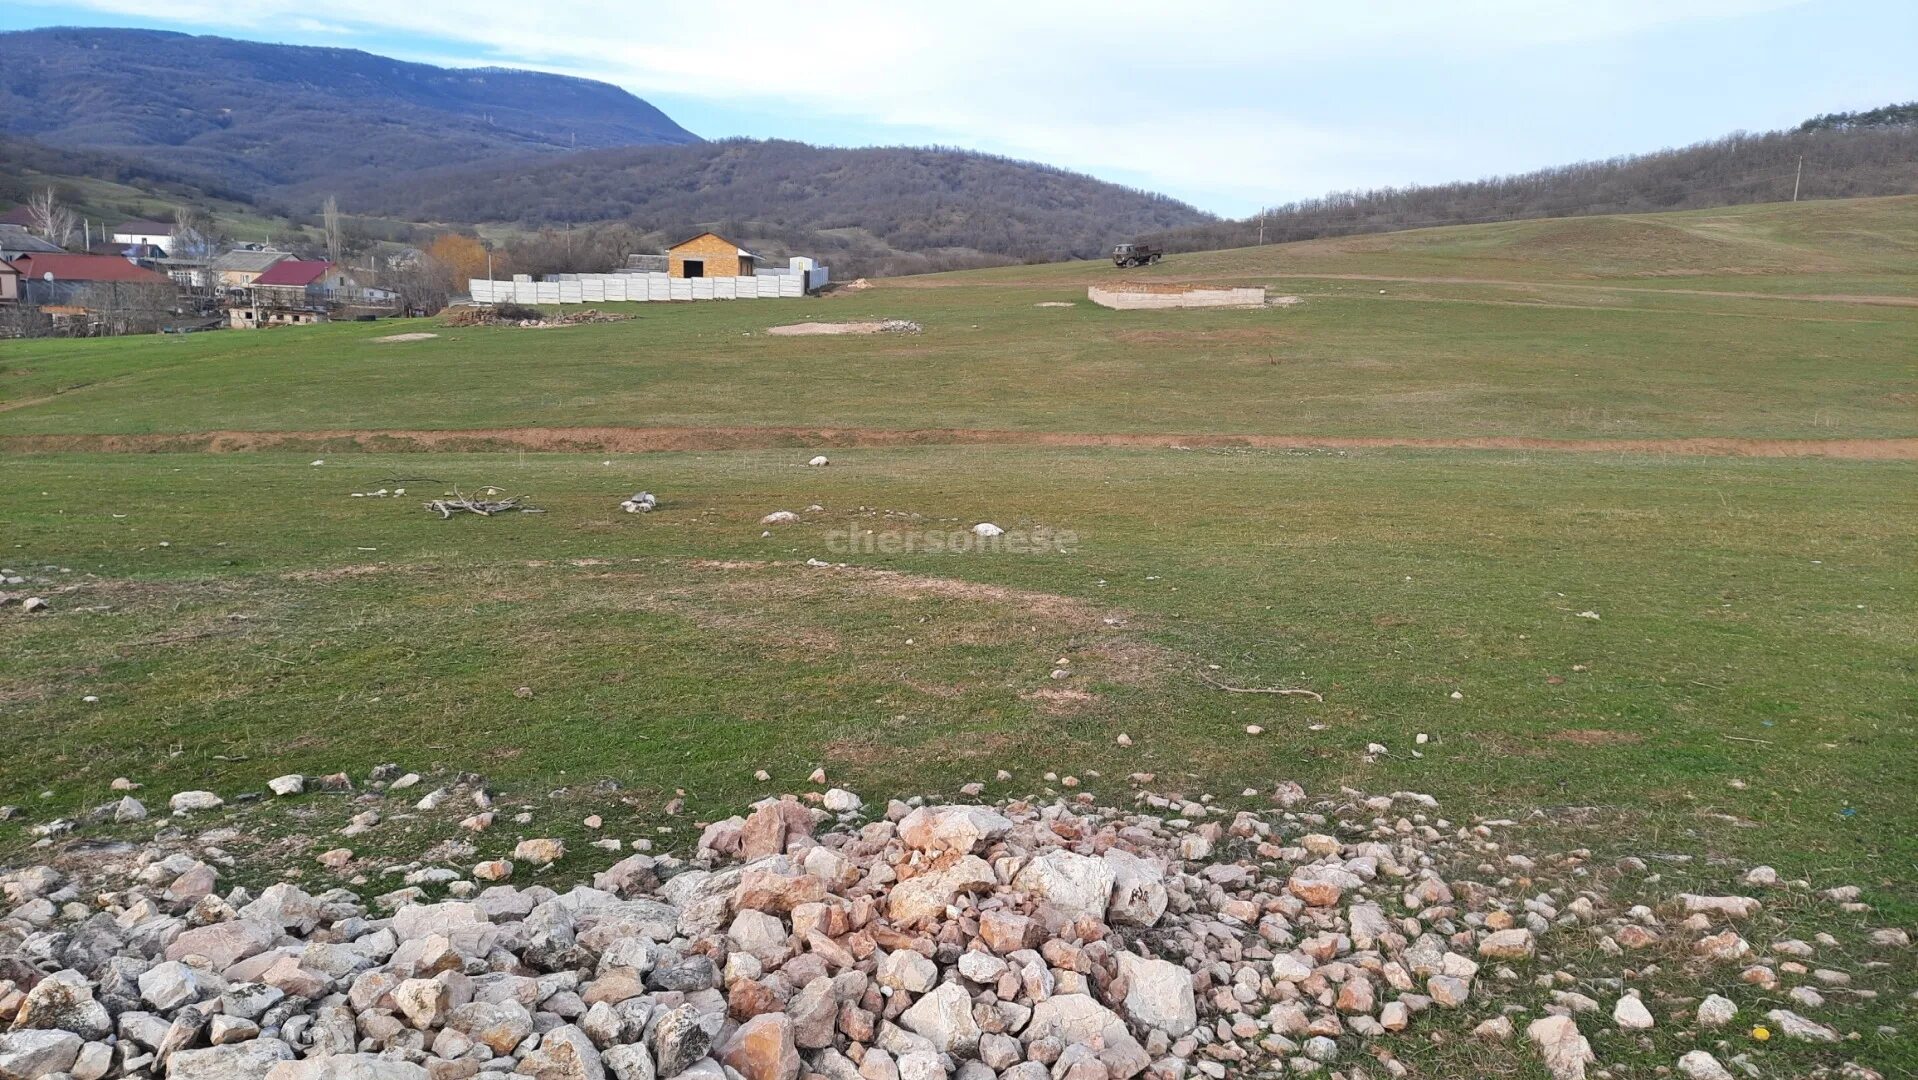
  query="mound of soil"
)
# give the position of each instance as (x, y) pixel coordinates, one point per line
(809, 329)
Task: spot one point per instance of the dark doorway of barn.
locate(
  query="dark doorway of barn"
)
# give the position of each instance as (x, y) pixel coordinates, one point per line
(695, 267)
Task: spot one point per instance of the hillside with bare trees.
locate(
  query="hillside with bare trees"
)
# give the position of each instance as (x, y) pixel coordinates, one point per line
(880, 209)
(1844, 155)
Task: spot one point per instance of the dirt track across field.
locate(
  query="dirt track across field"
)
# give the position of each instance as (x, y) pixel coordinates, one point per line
(653, 439)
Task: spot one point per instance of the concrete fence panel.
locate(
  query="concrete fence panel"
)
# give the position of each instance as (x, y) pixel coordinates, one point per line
(634, 285)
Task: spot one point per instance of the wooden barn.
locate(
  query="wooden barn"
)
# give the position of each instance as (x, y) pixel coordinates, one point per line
(709, 255)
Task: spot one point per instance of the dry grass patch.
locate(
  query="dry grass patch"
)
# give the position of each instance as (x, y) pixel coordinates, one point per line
(1595, 737)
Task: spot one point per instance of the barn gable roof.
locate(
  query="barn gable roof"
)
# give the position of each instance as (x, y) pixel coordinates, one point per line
(743, 253)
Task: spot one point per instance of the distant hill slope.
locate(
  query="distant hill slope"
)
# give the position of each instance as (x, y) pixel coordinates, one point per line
(256, 116)
(1863, 246)
(1846, 155)
(30, 166)
(951, 203)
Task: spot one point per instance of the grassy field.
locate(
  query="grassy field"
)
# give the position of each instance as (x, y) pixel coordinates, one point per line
(249, 604)
(1745, 694)
(1557, 355)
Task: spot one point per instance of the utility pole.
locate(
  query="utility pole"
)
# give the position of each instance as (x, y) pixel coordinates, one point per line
(1797, 178)
(1261, 228)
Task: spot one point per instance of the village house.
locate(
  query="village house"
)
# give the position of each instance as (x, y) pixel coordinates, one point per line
(348, 287)
(147, 255)
(291, 292)
(98, 294)
(61, 278)
(239, 268)
(142, 231)
(709, 255)
(188, 273)
(16, 241)
(9, 284)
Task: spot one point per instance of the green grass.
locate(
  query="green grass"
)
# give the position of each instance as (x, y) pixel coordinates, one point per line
(1755, 625)
(1554, 358)
(1758, 600)
(1747, 694)
(1736, 247)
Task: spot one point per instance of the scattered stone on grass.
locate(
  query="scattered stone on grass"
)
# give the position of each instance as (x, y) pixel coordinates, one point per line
(816, 936)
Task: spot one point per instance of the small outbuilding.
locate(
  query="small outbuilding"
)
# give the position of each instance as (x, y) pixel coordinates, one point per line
(709, 255)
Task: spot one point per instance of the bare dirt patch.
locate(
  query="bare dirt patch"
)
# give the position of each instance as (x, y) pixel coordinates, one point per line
(1595, 737)
(1061, 702)
(404, 337)
(648, 439)
(341, 573)
(812, 329)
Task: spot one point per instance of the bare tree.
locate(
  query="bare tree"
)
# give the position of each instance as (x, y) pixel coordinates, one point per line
(192, 240)
(123, 307)
(52, 219)
(24, 321)
(335, 236)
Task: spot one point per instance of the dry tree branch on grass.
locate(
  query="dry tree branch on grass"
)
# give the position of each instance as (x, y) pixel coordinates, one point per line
(460, 504)
(1284, 691)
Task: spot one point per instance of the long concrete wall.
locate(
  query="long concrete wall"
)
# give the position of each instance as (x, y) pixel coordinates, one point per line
(1139, 299)
(621, 288)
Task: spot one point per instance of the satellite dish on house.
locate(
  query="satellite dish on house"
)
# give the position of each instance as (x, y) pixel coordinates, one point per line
(48, 276)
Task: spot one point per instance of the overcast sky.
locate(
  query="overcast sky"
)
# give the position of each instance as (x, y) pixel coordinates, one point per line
(1228, 105)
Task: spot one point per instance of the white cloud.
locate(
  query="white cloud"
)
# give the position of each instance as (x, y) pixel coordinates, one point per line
(1201, 99)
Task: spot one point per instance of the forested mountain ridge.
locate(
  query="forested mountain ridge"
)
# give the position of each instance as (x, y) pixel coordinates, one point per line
(286, 126)
(255, 116)
(908, 199)
(577, 170)
(1844, 155)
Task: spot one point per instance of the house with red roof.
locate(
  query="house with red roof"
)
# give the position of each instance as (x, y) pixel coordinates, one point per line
(291, 292)
(293, 274)
(70, 266)
(299, 291)
(97, 294)
(63, 278)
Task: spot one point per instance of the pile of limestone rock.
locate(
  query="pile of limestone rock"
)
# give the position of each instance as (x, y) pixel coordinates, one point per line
(1027, 941)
